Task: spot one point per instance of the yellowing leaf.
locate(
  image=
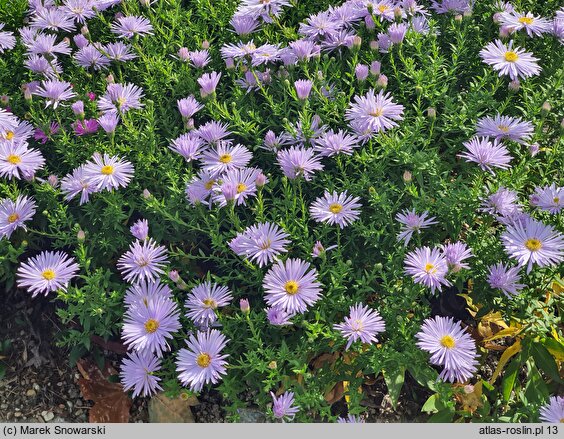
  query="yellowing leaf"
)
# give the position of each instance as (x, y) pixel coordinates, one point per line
(557, 287)
(512, 331)
(509, 352)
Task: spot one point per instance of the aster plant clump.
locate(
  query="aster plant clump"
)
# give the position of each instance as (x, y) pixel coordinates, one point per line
(294, 200)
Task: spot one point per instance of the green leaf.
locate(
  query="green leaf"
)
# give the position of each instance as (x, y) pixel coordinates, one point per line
(394, 382)
(433, 404)
(445, 415)
(536, 390)
(546, 362)
(509, 378)
(425, 376)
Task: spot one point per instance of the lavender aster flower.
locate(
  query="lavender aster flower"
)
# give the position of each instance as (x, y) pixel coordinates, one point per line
(291, 286)
(44, 44)
(55, 91)
(7, 40)
(39, 64)
(282, 406)
(351, 419)
(138, 373)
(147, 328)
(362, 324)
(303, 88)
(261, 243)
(277, 316)
(553, 411)
(532, 242)
(143, 260)
(455, 253)
(503, 202)
(15, 214)
(299, 162)
(129, 26)
(188, 146)
(550, 198)
(265, 9)
(374, 112)
(533, 25)
(244, 24)
(428, 267)
(487, 154)
(17, 161)
(225, 157)
(77, 183)
(200, 188)
(90, 57)
(121, 98)
(212, 132)
(450, 346)
(451, 6)
(54, 19)
(204, 299)
(509, 60)
(505, 278)
(119, 52)
(8, 122)
(46, 272)
(335, 208)
(140, 229)
(412, 222)
(243, 182)
(318, 26)
(505, 127)
(108, 121)
(202, 362)
(199, 58)
(396, 32)
(146, 291)
(188, 106)
(79, 10)
(208, 83)
(108, 172)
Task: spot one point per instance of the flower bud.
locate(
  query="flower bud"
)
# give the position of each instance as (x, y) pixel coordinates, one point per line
(174, 276)
(382, 81)
(357, 41)
(81, 236)
(146, 194)
(431, 113)
(205, 44)
(514, 85)
(110, 79)
(546, 107)
(261, 180)
(183, 54)
(374, 45)
(84, 31)
(53, 180)
(229, 63)
(534, 149)
(361, 72)
(4, 99)
(407, 176)
(244, 305)
(375, 67)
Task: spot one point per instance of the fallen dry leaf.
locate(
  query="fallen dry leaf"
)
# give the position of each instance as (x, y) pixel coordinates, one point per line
(111, 403)
(165, 409)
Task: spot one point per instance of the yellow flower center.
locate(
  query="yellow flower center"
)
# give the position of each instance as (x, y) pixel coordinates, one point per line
(556, 200)
(203, 360)
(511, 56)
(335, 208)
(430, 268)
(525, 20)
(48, 274)
(291, 287)
(121, 102)
(107, 170)
(503, 128)
(209, 184)
(266, 244)
(377, 112)
(151, 326)
(357, 325)
(9, 135)
(13, 218)
(448, 342)
(533, 244)
(383, 8)
(225, 158)
(241, 187)
(562, 420)
(14, 159)
(210, 303)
